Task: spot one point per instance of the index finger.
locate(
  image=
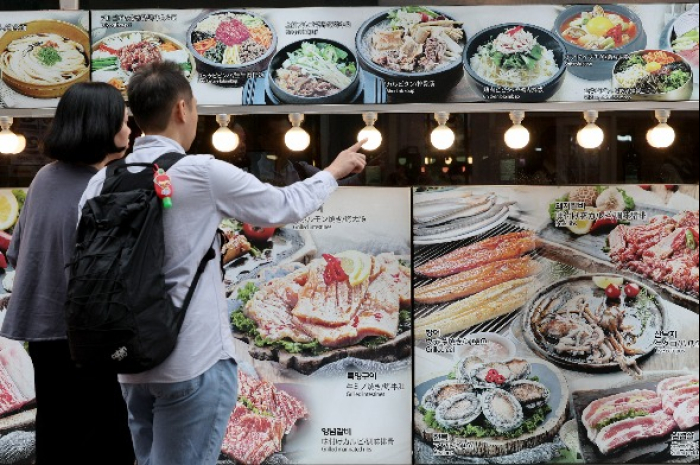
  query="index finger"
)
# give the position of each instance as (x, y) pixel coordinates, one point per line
(358, 145)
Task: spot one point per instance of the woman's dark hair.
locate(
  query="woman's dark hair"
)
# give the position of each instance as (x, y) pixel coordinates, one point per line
(153, 90)
(88, 117)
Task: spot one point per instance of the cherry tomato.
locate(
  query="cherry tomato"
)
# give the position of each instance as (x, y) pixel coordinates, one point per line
(613, 291)
(646, 187)
(632, 290)
(257, 234)
(603, 222)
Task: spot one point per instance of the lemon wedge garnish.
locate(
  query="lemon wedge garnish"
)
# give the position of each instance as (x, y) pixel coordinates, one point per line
(357, 265)
(9, 209)
(604, 281)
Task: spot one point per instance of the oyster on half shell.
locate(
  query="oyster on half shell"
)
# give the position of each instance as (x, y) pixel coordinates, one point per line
(509, 371)
(443, 391)
(465, 367)
(520, 368)
(530, 394)
(502, 410)
(458, 410)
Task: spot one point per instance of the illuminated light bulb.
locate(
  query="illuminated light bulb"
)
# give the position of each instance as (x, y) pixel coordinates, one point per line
(662, 135)
(369, 132)
(591, 135)
(442, 137)
(8, 139)
(21, 144)
(296, 139)
(517, 136)
(224, 139)
(470, 160)
(448, 160)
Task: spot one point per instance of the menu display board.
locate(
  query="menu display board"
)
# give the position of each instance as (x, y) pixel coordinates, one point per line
(514, 324)
(42, 53)
(555, 325)
(410, 54)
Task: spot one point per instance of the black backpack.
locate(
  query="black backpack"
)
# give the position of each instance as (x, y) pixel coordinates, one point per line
(119, 314)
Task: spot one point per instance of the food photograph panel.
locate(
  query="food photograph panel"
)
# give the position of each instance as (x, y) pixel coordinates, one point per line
(42, 53)
(321, 313)
(531, 303)
(410, 54)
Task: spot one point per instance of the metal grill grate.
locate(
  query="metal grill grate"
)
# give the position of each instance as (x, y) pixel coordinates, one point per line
(550, 271)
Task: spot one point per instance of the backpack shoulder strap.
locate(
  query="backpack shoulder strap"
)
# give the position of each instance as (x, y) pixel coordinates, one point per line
(166, 161)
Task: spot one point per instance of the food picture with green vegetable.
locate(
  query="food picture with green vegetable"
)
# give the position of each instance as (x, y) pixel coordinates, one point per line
(308, 309)
(652, 72)
(591, 209)
(316, 69)
(116, 57)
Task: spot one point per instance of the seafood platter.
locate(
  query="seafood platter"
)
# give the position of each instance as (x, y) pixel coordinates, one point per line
(637, 422)
(597, 322)
(492, 409)
(347, 304)
(660, 250)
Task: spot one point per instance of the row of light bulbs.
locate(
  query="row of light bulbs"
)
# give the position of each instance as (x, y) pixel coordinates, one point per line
(591, 136)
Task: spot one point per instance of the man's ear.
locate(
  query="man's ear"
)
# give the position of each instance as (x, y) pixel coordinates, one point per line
(180, 111)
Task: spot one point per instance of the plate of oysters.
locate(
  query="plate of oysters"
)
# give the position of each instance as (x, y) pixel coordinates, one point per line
(492, 409)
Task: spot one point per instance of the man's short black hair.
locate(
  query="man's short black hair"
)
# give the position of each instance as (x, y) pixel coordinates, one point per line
(88, 117)
(153, 91)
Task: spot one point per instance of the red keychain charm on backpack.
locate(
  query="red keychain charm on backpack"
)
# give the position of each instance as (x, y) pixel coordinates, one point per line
(163, 186)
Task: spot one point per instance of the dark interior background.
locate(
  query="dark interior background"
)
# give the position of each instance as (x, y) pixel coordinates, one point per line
(406, 157)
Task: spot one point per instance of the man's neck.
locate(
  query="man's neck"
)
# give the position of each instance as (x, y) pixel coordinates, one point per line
(171, 133)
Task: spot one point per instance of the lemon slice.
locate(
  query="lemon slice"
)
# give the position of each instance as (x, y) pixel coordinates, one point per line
(604, 281)
(357, 265)
(9, 209)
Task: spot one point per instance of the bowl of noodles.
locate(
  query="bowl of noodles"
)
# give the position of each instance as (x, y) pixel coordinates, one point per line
(655, 75)
(45, 59)
(116, 57)
(515, 62)
(231, 45)
(413, 45)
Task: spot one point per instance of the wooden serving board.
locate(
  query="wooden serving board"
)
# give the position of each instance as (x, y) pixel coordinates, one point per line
(391, 351)
(654, 450)
(495, 447)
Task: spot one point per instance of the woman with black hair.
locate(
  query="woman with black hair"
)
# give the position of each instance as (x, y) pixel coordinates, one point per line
(81, 416)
